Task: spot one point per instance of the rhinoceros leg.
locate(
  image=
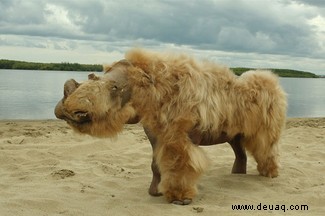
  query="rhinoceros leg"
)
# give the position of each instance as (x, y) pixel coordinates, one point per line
(240, 162)
(239, 166)
(153, 189)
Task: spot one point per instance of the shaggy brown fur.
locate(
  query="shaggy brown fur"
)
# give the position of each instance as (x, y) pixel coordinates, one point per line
(174, 96)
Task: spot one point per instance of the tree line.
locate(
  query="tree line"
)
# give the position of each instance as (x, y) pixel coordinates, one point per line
(65, 66)
(281, 72)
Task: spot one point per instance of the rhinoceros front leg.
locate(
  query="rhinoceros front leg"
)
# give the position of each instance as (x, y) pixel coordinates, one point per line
(156, 177)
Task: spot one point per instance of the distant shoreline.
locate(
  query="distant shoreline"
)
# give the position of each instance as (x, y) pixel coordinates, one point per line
(290, 121)
(66, 66)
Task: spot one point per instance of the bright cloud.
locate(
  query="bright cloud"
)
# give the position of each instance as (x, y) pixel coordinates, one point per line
(255, 33)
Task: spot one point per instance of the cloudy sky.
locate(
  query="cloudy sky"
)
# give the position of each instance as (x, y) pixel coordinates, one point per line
(248, 33)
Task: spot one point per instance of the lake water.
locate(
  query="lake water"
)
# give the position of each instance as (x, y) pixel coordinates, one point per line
(33, 94)
(26, 94)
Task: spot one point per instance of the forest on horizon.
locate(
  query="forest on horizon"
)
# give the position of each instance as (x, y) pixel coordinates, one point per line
(65, 66)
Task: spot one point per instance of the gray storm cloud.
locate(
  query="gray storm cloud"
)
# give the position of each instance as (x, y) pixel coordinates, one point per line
(283, 27)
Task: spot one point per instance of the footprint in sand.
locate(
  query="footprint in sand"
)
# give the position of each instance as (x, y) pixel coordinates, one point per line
(63, 173)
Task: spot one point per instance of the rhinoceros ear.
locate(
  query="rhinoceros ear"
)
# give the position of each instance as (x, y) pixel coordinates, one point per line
(106, 68)
(118, 81)
(69, 87)
(92, 76)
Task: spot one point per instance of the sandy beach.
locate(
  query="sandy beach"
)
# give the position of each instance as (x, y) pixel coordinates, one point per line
(47, 169)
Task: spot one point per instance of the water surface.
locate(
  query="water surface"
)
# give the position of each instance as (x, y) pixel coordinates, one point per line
(26, 94)
(306, 96)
